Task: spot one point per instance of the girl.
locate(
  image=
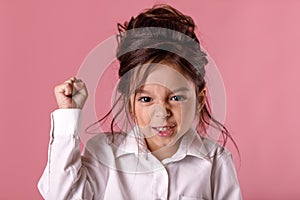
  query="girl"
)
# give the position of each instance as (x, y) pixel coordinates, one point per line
(156, 148)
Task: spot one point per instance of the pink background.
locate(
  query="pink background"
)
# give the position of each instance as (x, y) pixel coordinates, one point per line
(255, 44)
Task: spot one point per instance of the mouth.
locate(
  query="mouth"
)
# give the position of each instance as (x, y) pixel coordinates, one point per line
(164, 131)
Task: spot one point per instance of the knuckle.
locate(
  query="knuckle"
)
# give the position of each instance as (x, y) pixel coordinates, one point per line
(68, 85)
(57, 88)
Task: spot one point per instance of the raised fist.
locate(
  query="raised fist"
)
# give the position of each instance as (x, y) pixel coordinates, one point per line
(71, 94)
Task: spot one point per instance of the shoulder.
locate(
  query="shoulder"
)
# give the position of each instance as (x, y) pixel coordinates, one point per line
(202, 147)
(214, 151)
(103, 145)
(220, 158)
(104, 139)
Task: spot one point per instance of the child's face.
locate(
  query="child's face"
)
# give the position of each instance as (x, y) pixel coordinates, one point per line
(165, 107)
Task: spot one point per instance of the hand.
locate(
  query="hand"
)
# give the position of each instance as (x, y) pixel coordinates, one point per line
(71, 94)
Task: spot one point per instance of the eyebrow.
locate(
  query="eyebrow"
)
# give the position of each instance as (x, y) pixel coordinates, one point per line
(182, 89)
(142, 91)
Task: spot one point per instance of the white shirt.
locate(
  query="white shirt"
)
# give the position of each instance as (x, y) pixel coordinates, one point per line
(107, 171)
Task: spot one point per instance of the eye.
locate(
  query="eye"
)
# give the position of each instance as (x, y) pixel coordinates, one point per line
(145, 99)
(178, 98)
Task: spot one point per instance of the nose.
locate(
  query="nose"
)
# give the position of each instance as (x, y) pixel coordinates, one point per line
(160, 111)
(158, 114)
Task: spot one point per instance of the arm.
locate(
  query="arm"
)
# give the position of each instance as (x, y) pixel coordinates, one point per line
(64, 177)
(224, 179)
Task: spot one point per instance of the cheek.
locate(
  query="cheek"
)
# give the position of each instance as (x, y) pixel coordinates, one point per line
(141, 115)
(188, 113)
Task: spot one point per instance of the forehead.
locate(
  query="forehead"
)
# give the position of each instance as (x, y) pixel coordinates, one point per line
(168, 76)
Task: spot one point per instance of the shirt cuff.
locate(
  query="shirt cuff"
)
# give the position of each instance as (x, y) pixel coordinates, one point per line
(65, 122)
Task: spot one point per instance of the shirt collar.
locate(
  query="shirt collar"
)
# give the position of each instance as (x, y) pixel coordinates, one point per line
(133, 143)
(191, 144)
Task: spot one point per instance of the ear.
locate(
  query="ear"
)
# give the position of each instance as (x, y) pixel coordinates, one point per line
(201, 99)
(131, 108)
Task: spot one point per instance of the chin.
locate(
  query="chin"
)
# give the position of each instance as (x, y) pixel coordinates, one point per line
(164, 141)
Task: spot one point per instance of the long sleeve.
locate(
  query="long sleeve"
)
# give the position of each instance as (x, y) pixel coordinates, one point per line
(225, 181)
(64, 176)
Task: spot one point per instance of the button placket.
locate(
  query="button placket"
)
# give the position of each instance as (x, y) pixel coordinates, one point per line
(161, 184)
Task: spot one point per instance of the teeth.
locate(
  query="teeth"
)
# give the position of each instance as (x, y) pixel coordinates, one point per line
(162, 129)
